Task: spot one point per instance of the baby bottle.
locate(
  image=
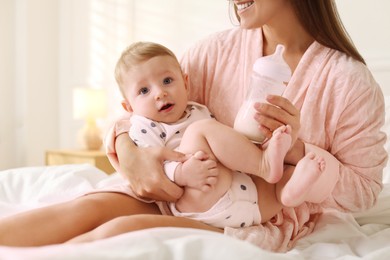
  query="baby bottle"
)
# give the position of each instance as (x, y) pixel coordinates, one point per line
(268, 78)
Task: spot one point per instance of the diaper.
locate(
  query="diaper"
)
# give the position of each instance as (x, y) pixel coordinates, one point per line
(237, 208)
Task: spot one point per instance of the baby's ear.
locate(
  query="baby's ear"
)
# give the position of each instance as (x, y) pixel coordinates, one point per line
(126, 106)
(185, 78)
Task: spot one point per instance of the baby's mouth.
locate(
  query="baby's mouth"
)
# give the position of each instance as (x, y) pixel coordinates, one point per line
(165, 107)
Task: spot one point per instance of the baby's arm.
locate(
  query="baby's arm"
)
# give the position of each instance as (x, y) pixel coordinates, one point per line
(198, 172)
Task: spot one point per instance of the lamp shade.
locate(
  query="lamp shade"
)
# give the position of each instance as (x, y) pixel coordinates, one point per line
(89, 103)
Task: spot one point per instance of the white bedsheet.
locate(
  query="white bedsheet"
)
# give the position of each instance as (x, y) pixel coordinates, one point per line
(336, 236)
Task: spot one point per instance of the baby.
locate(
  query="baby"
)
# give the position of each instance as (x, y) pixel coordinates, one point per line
(217, 188)
(155, 92)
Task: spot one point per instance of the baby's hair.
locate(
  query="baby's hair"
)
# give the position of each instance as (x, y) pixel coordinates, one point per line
(136, 53)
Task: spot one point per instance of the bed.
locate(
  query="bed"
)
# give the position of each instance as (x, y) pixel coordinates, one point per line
(336, 235)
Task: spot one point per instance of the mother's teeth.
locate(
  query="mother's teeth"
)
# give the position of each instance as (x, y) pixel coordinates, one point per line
(244, 5)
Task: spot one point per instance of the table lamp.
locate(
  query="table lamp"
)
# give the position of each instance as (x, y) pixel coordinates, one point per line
(89, 104)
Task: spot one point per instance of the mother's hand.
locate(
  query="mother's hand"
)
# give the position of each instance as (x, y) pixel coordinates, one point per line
(280, 111)
(143, 168)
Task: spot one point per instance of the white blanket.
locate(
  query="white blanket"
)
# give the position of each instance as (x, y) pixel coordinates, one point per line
(336, 236)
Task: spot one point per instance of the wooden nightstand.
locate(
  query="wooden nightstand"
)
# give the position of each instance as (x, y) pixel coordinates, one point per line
(95, 158)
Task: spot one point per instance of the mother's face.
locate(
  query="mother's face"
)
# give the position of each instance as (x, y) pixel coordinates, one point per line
(256, 13)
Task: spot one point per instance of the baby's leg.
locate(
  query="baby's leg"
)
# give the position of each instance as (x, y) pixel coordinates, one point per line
(271, 168)
(193, 142)
(196, 200)
(303, 183)
(237, 152)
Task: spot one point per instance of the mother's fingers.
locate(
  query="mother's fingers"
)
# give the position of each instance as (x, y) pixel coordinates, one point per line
(283, 103)
(279, 111)
(291, 115)
(270, 116)
(147, 178)
(160, 190)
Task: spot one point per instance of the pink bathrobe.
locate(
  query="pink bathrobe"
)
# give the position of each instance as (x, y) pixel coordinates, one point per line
(342, 111)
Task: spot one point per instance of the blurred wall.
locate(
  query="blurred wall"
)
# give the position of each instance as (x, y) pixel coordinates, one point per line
(49, 47)
(29, 80)
(368, 23)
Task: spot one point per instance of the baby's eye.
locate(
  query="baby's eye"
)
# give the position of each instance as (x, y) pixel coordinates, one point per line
(167, 81)
(144, 91)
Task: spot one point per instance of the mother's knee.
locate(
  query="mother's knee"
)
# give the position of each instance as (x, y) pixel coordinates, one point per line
(109, 205)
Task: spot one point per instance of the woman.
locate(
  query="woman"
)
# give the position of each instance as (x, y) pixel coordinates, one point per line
(330, 92)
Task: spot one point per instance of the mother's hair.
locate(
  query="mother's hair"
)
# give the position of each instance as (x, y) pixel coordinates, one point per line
(321, 20)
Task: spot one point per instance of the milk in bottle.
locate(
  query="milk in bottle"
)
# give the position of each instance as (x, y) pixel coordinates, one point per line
(268, 78)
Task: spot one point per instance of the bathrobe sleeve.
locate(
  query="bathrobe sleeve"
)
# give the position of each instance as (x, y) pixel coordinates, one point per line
(121, 126)
(342, 112)
(357, 141)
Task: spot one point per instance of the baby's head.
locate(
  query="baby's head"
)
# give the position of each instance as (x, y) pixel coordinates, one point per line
(152, 83)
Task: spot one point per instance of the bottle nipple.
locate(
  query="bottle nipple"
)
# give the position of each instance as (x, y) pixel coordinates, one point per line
(273, 66)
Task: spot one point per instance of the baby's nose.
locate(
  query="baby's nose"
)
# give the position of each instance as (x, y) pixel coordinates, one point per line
(161, 94)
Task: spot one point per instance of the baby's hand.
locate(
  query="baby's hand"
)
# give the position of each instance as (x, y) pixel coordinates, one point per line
(198, 172)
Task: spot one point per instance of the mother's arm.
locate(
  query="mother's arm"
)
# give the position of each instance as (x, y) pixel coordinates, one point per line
(142, 166)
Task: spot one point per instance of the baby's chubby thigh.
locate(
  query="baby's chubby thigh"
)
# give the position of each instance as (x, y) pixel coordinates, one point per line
(268, 202)
(196, 201)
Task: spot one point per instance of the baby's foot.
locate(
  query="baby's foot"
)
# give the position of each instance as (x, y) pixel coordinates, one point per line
(303, 181)
(271, 166)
